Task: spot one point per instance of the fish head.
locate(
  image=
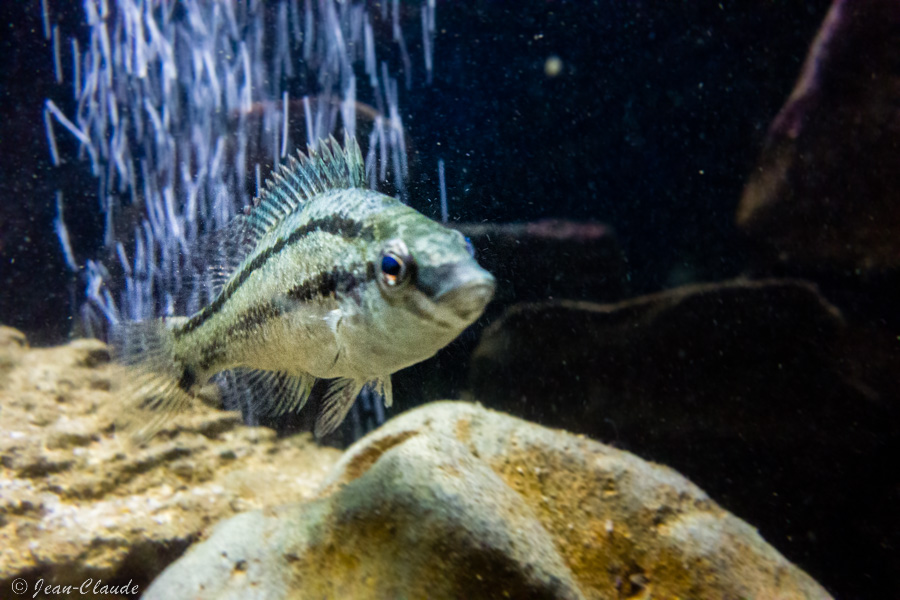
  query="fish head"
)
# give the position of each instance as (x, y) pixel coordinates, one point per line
(428, 287)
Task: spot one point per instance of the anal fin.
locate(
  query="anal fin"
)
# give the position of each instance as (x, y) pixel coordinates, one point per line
(275, 392)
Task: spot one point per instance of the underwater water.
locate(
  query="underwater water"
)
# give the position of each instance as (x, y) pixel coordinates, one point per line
(687, 211)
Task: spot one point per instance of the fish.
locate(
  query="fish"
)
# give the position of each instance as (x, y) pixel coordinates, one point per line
(322, 278)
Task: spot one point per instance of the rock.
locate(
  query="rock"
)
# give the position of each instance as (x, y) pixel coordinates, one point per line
(750, 388)
(823, 195)
(455, 501)
(11, 338)
(549, 259)
(661, 346)
(77, 502)
(12, 346)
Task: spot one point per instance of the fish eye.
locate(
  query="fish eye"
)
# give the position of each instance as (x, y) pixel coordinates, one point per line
(392, 269)
(395, 265)
(470, 248)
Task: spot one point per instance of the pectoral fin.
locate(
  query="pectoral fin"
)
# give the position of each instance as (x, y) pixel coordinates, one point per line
(338, 399)
(382, 386)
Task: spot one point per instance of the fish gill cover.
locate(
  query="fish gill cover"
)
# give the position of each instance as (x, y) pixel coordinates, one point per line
(180, 109)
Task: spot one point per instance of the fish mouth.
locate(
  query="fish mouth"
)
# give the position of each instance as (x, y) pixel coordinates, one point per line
(466, 298)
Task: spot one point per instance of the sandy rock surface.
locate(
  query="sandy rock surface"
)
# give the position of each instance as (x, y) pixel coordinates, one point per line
(76, 501)
(454, 501)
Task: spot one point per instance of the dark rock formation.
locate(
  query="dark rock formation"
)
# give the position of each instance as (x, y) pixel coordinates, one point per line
(549, 259)
(824, 194)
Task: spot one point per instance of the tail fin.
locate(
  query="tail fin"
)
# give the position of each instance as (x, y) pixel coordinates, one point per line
(154, 385)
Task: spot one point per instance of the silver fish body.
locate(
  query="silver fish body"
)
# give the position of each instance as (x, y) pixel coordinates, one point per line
(322, 279)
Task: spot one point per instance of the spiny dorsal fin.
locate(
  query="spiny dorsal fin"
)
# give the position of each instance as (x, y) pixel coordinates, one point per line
(324, 168)
(286, 190)
(225, 250)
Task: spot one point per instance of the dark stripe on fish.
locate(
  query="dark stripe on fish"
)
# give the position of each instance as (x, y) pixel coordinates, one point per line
(318, 286)
(188, 379)
(329, 282)
(211, 356)
(250, 319)
(336, 225)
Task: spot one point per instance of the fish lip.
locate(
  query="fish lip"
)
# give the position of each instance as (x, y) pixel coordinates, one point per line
(467, 299)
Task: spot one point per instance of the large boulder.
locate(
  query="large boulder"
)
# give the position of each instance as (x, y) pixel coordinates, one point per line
(454, 501)
(76, 502)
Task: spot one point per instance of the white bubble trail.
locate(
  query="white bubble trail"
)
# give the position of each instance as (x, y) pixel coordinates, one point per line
(51, 138)
(76, 69)
(445, 214)
(63, 234)
(45, 18)
(284, 123)
(57, 64)
(307, 113)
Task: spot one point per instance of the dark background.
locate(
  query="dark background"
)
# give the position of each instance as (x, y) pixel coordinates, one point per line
(652, 126)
